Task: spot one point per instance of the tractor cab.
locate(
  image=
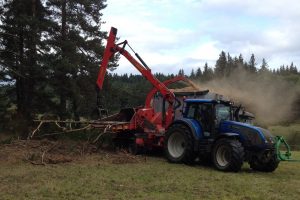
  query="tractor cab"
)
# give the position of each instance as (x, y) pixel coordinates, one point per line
(208, 113)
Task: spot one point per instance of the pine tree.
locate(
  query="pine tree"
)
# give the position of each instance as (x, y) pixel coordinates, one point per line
(241, 60)
(230, 65)
(199, 72)
(293, 69)
(281, 70)
(192, 75)
(77, 39)
(221, 65)
(181, 72)
(252, 64)
(22, 51)
(287, 69)
(207, 73)
(264, 66)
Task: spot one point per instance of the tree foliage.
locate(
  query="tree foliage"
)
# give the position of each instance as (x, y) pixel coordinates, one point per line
(50, 52)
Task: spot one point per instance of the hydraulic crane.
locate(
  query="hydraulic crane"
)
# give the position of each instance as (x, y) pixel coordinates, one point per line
(162, 120)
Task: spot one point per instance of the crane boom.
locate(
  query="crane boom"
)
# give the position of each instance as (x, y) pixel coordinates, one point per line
(112, 48)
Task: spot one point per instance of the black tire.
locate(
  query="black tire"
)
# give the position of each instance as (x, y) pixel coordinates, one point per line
(228, 155)
(179, 145)
(264, 166)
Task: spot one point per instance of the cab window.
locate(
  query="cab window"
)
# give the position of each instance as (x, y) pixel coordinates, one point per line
(222, 112)
(192, 110)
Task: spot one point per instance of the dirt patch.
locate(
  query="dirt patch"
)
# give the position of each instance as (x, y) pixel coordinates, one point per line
(122, 157)
(42, 152)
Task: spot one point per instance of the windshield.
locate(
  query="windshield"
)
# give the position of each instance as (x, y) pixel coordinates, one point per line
(222, 112)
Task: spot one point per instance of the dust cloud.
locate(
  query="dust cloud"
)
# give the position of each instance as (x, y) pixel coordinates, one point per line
(268, 96)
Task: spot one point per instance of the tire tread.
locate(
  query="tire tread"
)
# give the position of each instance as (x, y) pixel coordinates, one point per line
(189, 155)
(237, 156)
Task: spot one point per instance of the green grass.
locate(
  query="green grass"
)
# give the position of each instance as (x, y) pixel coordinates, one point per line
(97, 178)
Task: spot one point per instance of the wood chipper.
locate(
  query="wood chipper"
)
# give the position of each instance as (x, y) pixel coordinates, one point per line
(189, 128)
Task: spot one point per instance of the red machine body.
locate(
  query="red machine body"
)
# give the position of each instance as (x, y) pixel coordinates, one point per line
(146, 113)
(144, 119)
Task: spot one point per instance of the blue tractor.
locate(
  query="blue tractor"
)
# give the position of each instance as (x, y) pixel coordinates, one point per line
(209, 128)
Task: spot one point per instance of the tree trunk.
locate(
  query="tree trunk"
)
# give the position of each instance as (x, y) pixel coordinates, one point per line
(20, 80)
(32, 38)
(63, 99)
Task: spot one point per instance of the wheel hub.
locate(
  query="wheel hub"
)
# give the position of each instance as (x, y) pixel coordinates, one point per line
(223, 156)
(176, 145)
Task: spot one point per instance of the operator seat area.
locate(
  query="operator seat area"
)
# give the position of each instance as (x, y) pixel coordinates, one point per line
(203, 113)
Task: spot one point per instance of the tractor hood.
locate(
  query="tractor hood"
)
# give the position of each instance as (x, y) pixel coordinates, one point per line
(249, 134)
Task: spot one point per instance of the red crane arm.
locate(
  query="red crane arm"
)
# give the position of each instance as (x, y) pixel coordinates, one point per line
(112, 48)
(108, 53)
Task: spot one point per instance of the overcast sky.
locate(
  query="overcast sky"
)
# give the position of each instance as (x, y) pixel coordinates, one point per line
(174, 34)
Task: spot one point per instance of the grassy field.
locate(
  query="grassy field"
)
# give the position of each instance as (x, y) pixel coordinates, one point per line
(109, 176)
(96, 177)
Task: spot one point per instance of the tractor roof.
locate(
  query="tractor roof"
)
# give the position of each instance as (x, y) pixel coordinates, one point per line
(206, 101)
(200, 101)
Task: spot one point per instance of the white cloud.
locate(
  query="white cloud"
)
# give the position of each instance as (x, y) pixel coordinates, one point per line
(207, 51)
(185, 33)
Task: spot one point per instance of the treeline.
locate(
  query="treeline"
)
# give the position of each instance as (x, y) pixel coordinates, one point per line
(130, 90)
(226, 65)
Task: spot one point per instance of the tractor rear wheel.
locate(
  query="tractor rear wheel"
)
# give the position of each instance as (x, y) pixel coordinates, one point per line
(228, 155)
(264, 164)
(179, 145)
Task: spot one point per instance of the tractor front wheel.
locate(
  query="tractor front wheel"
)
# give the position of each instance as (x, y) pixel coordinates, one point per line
(228, 155)
(264, 163)
(179, 145)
